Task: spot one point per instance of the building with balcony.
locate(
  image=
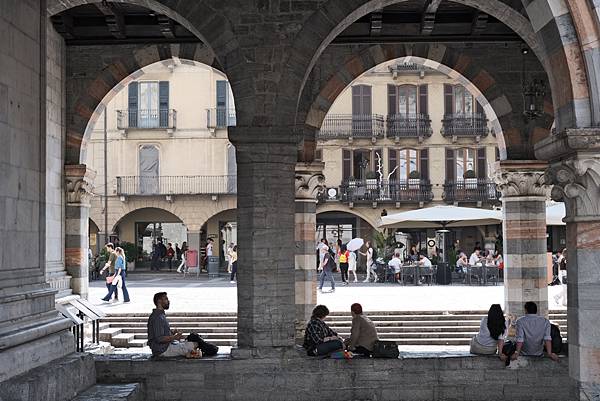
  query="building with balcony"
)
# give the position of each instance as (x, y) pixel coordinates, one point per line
(170, 170)
(404, 136)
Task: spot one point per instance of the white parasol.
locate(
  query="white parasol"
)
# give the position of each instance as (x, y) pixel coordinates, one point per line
(355, 244)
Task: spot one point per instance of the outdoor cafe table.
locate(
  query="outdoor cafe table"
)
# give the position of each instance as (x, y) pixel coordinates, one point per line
(411, 270)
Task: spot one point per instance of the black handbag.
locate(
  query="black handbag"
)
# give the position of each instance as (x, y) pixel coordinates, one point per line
(385, 349)
(509, 349)
(207, 349)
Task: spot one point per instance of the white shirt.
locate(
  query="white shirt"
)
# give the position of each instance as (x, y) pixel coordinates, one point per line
(474, 259)
(425, 262)
(209, 250)
(485, 338)
(396, 263)
(369, 256)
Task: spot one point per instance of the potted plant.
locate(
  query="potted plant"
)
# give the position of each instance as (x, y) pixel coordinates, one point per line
(130, 254)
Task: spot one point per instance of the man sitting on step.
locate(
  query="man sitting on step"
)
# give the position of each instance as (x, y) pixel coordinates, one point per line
(162, 340)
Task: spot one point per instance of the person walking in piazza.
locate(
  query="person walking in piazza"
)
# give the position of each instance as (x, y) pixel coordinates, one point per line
(562, 277)
(183, 264)
(370, 262)
(234, 264)
(343, 260)
(352, 265)
(118, 279)
(110, 266)
(170, 255)
(228, 252)
(327, 264)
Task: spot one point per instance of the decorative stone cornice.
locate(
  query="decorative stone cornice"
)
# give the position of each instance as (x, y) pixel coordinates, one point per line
(521, 178)
(568, 142)
(577, 183)
(79, 183)
(310, 180)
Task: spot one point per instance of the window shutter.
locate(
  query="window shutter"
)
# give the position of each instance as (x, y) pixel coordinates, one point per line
(221, 111)
(448, 99)
(423, 99)
(392, 100)
(450, 165)
(163, 103)
(132, 104)
(478, 108)
(424, 161)
(346, 164)
(392, 163)
(356, 100)
(481, 164)
(366, 99)
(318, 155)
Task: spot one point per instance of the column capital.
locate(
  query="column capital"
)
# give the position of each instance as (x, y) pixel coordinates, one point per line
(577, 183)
(79, 183)
(521, 178)
(310, 180)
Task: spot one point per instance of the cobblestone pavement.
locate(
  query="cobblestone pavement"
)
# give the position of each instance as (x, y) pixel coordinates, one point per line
(219, 295)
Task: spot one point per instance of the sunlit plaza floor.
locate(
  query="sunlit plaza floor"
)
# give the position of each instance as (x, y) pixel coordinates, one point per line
(193, 294)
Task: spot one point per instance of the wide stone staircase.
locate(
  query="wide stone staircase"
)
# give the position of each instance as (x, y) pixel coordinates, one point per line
(405, 327)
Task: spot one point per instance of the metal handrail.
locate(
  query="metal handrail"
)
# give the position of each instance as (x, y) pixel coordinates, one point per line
(461, 124)
(353, 125)
(408, 125)
(220, 117)
(177, 185)
(147, 118)
(471, 190)
(373, 190)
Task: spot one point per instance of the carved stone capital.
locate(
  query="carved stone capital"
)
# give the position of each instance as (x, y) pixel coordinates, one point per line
(521, 178)
(310, 181)
(577, 183)
(79, 183)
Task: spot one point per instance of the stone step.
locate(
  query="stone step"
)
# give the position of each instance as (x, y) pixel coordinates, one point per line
(112, 392)
(122, 340)
(137, 342)
(108, 333)
(188, 328)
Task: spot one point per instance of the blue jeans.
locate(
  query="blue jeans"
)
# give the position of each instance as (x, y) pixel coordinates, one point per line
(329, 347)
(326, 273)
(113, 288)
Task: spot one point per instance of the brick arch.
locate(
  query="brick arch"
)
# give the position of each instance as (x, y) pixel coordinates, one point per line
(95, 95)
(474, 77)
(549, 39)
(330, 207)
(201, 17)
(215, 208)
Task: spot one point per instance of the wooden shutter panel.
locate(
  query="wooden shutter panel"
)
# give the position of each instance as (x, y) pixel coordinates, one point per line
(481, 164)
(478, 107)
(450, 165)
(366, 99)
(424, 162)
(392, 99)
(356, 100)
(221, 111)
(163, 103)
(132, 104)
(448, 99)
(423, 99)
(346, 164)
(392, 163)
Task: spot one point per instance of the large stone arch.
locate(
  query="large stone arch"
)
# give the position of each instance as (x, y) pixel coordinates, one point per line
(549, 38)
(498, 100)
(111, 65)
(372, 220)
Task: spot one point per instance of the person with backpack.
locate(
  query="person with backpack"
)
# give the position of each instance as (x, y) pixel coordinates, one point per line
(344, 255)
(327, 267)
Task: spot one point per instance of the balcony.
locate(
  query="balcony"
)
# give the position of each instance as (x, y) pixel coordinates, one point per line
(471, 190)
(464, 126)
(408, 126)
(373, 191)
(337, 126)
(220, 117)
(176, 185)
(147, 119)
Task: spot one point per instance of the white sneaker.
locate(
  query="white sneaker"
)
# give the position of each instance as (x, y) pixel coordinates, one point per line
(232, 282)
(355, 280)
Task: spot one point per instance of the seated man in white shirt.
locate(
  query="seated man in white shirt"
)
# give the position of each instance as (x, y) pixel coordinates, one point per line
(396, 264)
(424, 261)
(533, 334)
(474, 259)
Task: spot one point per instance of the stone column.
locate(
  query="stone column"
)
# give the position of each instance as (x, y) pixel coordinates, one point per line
(524, 193)
(575, 172)
(309, 182)
(265, 205)
(78, 179)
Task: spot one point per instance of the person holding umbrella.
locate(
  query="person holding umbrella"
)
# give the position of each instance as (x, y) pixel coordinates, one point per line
(353, 246)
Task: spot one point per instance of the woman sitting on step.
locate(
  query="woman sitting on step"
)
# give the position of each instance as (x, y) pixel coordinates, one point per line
(319, 339)
(492, 333)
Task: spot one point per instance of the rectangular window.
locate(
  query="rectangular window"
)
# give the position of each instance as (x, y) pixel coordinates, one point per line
(408, 161)
(221, 102)
(319, 155)
(346, 164)
(465, 166)
(463, 100)
(148, 105)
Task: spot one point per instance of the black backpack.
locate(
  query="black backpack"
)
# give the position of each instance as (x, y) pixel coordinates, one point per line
(385, 349)
(557, 341)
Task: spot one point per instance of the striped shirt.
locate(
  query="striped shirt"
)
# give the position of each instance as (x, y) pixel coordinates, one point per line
(315, 333)
(158, 327)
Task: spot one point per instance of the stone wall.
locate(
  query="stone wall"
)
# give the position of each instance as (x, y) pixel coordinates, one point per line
(55, 131)
(303, 378)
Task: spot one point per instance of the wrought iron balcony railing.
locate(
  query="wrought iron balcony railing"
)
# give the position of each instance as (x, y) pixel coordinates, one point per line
(471, 190)
(220, 117)
(392, 191)
(408, 125)
(147, 119)
(177, 185)
(353, 126)
(464, 125)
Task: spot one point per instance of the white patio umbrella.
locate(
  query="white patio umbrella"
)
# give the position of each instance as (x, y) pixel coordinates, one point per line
(355, 244)
(442, 217)
(555, 212)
